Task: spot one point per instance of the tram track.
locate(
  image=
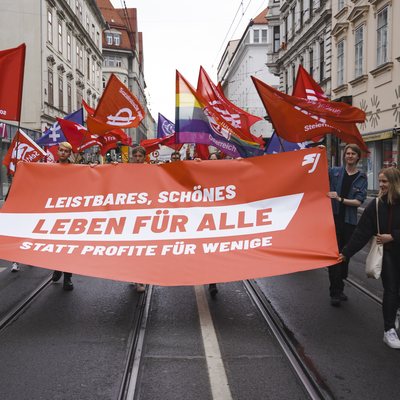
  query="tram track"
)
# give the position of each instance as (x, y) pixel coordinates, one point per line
(20, 308)
(130, 378)
(364, 291)
(306, 373)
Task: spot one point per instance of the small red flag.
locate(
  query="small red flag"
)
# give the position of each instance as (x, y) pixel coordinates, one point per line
(12, 62)
(22, 148)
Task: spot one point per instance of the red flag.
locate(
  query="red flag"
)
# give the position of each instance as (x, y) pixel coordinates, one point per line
(297, 120)
(234, 116)
(118, 108)
(154, 144)
(77, 135)
(111, 139)
(202, 151)
(306, 88)
(88, 109)
(12, 63)
(52, 154)
(248, 119)
(22, 148)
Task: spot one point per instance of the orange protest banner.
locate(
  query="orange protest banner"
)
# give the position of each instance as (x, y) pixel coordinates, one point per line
(183, 223)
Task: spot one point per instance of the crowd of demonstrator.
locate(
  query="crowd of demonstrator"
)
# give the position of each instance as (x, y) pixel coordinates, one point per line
(348, 190)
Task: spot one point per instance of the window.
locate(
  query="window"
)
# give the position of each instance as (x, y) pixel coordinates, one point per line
(301, 6)
(256, 36)
(263, 35)
(49, 26)
(117, 39)
(110, 61)
(382, 37)
(69, 46)
(340, 61)
(321, 61)
(87, 24)
(311, 62)
(78, 9)
(340, 4)
(286, 82)
(93, 73)
(78, 97)
(60, 37)
(97, 39)
(109, 38)
(69, 98)
(277, 36)
(293, 75)
(88, 68)
(285, 30)
(79, 57)
(50, 94)
(93, 31)
(311, 6)
(293, 18)
(358, 51)
(60, 93)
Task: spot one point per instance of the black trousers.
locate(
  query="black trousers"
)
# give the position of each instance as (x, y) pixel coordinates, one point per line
(338, 272)
(391, 284)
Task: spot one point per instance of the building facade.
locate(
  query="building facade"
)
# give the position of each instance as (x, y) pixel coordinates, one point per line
(300, 33)
(63, 57)
(242, 59)
(63, 60)
(123, 56)
(366, 61)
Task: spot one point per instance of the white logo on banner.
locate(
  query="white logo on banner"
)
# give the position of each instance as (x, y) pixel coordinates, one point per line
(123, 117)
(311, 159)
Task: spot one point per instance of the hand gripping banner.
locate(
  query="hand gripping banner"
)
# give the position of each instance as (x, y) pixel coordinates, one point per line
(182, 223)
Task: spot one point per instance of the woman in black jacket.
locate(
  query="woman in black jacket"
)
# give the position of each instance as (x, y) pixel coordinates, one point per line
(389, 224)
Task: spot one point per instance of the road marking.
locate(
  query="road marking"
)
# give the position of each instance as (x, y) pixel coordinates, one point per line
(2, 269)
(216, 370)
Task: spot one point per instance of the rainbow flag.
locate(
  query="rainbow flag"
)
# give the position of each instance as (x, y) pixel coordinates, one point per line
(196, 121)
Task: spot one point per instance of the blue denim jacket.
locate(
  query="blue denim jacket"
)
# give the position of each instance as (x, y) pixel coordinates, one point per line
(358, 191)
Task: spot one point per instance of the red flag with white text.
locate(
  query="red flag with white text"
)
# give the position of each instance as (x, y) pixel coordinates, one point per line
(236, 118)
(297, 120)
(117, 108)
(22, 148)
(12, 64)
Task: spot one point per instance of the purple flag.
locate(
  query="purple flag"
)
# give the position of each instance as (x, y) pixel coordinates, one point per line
(54, 135)
(164, 127)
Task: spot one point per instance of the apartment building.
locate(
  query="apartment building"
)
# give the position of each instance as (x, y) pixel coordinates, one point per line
(123, 56)
(300, 33)
(366, 61)
(242, 59)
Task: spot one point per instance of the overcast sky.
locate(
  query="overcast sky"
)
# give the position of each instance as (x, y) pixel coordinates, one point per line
(182, 35)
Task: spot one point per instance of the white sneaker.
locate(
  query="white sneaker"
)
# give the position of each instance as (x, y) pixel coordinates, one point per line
(397, 320)
(15, 267)
(140, 288)
(391, 339)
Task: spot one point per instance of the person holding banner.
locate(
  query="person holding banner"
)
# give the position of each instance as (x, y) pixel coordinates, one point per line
(348, 188)
(64, 152)
(139, 157)
(175, 156)
(389, 228)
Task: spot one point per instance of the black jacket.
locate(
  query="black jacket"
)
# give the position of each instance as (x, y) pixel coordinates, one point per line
(367, 227)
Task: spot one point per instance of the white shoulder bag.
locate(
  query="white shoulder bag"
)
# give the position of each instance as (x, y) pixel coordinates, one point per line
(373, 264)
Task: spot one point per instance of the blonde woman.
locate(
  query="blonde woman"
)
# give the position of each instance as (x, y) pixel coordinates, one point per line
(389, 225)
